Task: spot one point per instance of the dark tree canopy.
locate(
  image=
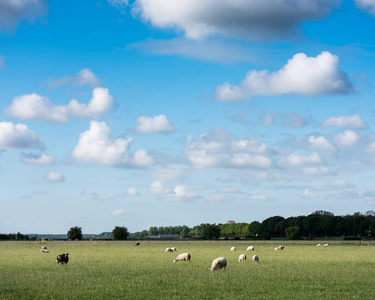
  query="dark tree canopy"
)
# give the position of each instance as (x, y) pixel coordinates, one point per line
(120, 233)
(75, 233)
(211, 232)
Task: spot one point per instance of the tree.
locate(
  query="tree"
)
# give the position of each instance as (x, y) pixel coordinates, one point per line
(292, 233)
(120, 233)
(211, 232)
(75, 233)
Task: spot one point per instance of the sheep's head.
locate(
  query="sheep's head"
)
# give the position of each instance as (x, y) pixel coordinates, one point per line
(174, 261)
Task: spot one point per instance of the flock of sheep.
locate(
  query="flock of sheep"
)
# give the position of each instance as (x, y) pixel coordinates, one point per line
(62, 259)
(220, 262)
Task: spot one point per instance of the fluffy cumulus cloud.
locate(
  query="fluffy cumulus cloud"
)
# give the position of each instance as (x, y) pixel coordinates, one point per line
(18, 136)
(119, 212)
(35, 107)
(320, 143)
(353, 122)
(308, 194)
(38, 159)
(158, 123)
(347, 138)
(256, 19)
(158, 188)
(83, 77)
(132, 192)
(297, 160)
(54, 177)
(96, 145)
(13, 11)
(180, 193)
(366, 5)
(302, 75)
(219, 149)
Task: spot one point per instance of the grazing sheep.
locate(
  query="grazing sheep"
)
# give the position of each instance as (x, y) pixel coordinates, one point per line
(218, 263)
(168, 250)
(255, 259)
(62, 259)
(173, 249)
(318, 245)
(44, 248)
(280, 248)
(242, 258)
(276, 248)
(325, 245)
(250, 248)
(232, 249)
(44, 251)
(182, 257)
(138, 244)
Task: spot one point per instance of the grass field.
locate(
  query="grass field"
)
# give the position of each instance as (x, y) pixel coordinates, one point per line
(119, 270)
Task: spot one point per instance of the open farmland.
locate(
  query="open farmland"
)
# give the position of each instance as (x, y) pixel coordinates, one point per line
(114, 270)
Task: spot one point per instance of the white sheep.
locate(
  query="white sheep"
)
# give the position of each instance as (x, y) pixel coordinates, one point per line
(44, 248)
(182, 257)
(325, 245)
(280, 248)
(250, 248)
(168, 250)
(173, 249)
(232, 249)
(255, 259)
(44, 251)
(242, 258)
(218, 263)
(318, 245)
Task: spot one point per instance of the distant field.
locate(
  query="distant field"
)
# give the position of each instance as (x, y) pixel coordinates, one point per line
(119, 270)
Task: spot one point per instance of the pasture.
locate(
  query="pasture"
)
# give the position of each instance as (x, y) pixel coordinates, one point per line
(120, 270)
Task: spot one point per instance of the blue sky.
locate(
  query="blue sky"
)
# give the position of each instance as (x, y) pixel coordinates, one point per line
(156, 113)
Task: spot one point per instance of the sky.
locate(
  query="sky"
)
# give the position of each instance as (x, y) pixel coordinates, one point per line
(163, 113)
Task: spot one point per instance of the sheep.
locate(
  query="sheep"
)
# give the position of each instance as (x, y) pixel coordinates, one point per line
(318, 245)
(280, 248)
(182, 257)
(168, 250)
(250, 248)
(325, 245)
(218, 263)
(173, 249)
(233, 249)
(44, 251)
(138, 244)
(44, 248)
(255, 259)
(62, 259)
(242, 258)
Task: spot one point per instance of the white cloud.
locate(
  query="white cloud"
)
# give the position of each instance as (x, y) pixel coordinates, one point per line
(180, 193)
(218, 149)
(54, 177)
(158, 188)
(83, 77)
(35, 107)
(13, 11)
(38, 159)
(347, 138)
(100, 102)
(96, 145)
(308, 194)
(366, 5)
(353, 122)
(132, 192)
(18, 136)
(94, 195)
(119, 212)
(302, 75)
(297, 160)
(158, 123)
(320, 143)
(258, 197)
(256, 19)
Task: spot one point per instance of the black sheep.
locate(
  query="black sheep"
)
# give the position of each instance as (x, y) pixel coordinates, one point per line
(62, 259)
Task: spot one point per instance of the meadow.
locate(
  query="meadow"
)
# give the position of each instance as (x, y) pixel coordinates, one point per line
(121, 270)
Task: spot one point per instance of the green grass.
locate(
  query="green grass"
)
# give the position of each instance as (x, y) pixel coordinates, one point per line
(119, 270)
